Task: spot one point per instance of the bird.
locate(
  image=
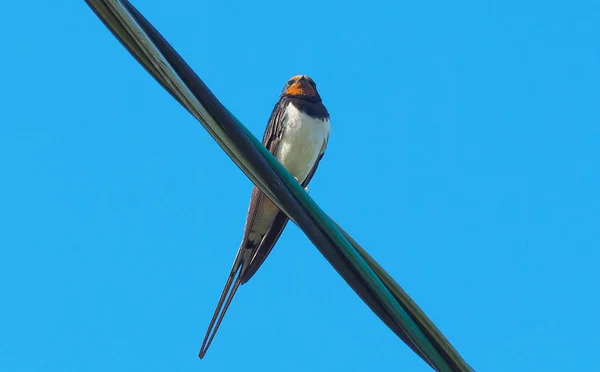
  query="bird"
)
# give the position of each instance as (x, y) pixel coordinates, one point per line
(297, 134)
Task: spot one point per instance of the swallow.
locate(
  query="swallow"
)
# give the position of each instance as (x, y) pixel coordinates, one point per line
(297, 134)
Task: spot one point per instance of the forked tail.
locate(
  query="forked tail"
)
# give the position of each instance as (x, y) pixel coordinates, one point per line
(223, 305)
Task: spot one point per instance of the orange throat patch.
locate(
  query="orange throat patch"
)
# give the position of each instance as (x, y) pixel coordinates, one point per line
(301, 88)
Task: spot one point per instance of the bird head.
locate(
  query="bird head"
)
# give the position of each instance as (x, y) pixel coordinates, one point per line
(301, 86)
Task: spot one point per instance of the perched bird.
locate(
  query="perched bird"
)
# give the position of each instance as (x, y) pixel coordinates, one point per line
(297, 135)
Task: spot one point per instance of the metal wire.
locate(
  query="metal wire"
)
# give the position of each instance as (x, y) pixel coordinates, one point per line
(366, 277)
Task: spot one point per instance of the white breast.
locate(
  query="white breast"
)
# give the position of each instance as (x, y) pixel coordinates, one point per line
(302, 141)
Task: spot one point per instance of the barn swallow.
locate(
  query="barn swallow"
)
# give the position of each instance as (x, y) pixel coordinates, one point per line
(297, 135)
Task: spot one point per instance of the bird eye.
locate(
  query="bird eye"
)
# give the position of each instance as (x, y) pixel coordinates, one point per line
(291, 82)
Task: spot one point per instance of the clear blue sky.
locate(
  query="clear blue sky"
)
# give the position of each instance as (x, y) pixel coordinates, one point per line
(463, 155)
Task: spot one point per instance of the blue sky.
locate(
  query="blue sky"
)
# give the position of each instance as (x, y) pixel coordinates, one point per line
(463, 155)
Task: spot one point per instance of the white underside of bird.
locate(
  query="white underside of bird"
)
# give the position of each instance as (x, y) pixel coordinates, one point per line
(303, 140)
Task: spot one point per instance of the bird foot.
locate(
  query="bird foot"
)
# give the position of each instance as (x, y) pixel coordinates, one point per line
(305, 189)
